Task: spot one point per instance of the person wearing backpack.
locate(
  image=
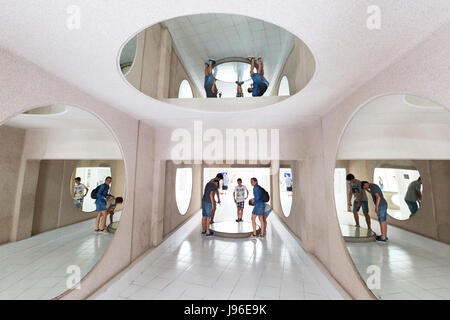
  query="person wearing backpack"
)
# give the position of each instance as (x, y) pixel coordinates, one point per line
(260, 199)
(99, 194)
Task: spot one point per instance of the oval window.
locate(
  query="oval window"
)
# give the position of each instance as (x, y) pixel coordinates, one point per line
(286, 190)
(183, 189)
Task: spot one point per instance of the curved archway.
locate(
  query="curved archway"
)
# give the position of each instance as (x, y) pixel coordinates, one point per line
(283, 90)
(185, 90)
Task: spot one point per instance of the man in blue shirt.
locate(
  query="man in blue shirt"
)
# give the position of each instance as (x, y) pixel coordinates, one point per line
(260, 84)
(100, 204)
(210, 81)
(209, 203)
(258, 210)
(381, 207)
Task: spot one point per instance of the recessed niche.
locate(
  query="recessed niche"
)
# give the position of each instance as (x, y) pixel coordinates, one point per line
(188, 42)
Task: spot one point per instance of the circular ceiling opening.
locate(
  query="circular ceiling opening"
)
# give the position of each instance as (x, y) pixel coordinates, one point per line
(212, 52)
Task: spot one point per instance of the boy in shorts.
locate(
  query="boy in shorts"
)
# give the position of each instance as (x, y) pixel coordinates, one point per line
(381, 207)
(111, 203)
(210, 81)
(239, 198)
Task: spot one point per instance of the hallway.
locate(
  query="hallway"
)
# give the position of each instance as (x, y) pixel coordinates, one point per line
(189, 266)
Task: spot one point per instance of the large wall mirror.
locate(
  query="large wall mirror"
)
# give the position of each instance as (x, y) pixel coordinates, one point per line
(45, 230)
(397, 147)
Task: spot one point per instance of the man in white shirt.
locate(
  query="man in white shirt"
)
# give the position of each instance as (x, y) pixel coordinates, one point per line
(240, 197)
(79, 192)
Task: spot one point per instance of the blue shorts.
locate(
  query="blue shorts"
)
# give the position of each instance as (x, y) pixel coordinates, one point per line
(209, 82)
(413, 207)
(364, 204)
(240, 204)
(100, 205)
(259, 211)
(382, 213)
(206, 209)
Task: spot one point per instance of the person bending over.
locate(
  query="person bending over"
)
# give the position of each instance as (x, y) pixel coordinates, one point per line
(260, 84)
(210, 81)
(359, 199)
(414, 195)
(381, 207)
(111, 203)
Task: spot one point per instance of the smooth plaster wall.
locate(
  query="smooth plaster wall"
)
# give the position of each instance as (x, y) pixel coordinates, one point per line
(432, 220)
(11, 147)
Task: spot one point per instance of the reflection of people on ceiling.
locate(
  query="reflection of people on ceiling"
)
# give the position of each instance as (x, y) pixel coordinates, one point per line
(239, 93)
(210, 81)
(260, 84)
(414, 195)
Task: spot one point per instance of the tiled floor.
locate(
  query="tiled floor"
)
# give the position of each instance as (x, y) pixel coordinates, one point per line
(412, 266)
(189, 266)
(35, 268)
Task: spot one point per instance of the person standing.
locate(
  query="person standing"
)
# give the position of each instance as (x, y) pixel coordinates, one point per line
(239, 92)
(258, 210)
(359, 199)
(100, 204)
(210, 81)
(79, 193)
(239, 198)
(414, 195)
(208, 203)
(217, 179)
(381, 207)
(226, 181)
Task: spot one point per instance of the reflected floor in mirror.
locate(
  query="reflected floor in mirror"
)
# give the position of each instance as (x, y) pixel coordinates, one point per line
(411, 266)
(35, 268)
(188, 265)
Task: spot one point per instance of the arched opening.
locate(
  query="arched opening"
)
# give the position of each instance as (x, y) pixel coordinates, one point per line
(185, 90)
(284, 87)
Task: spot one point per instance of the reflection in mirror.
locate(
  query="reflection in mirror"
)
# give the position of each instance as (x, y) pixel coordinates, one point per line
(212, 52)
(286, 190)
(391, 142)
(402, 189)
(183, 189)
(42, 232)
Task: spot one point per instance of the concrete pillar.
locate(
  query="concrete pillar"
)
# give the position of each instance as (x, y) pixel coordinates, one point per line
(164, 64)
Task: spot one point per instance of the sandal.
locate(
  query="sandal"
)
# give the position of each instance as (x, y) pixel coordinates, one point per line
(97, 230)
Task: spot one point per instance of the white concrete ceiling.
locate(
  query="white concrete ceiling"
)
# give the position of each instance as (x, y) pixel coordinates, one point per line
(347, 53)
(198, 38)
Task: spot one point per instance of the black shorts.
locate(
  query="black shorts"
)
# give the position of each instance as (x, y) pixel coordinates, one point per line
(224, 187)
(289, 188)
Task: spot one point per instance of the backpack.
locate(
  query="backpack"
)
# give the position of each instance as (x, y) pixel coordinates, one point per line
(265, 195)
(95, 191)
